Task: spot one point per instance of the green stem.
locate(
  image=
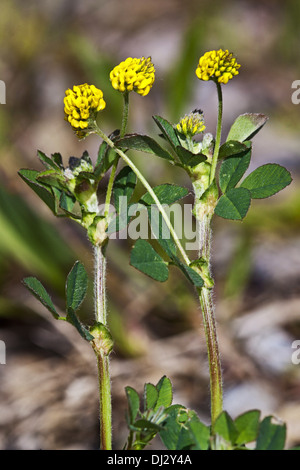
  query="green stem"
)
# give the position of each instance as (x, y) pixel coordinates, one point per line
(218, 134)
(150, 191)
(215, 373)
(99, 284)
(102, 359)
(209, 323)
(105, 401)
(125, 114)
(101, 310)
(206, 294)
(115, 164)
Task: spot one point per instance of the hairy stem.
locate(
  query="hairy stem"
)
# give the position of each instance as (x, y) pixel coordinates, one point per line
(102, 359)
(105, 401)
(204, 217)
(215, 373)
(99, 284)
(209, 323)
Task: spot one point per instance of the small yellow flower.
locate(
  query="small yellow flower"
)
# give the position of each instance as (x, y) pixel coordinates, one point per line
(81, 106)
(191, 124)
(220, 66)
(133, 75)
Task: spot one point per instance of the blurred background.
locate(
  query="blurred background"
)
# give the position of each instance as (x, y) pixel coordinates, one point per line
(48, 391)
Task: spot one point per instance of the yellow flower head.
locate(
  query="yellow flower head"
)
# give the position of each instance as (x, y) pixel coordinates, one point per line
(219, 66)
(81, 105)
(133, 75)
(191, 124)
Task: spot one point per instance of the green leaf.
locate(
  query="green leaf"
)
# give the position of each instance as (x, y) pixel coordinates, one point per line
(76, 286)
(175, 433)
(225, 427)
(45, 194)
(57, 158)
(101, 153)
(51, 178)
(199, 433)
(82, 330)
(247, 426)
(133, 403)
(189, 273)
(144, 258)
(66, 203)
(121, 221)
(166, 193)
(232, 147)
(233, 168)
(189, 158)
(124, 185)
(246, 126)
(143, 143)
(267, 180)
(271, 436)
(106, 157)
(234, 204)
(146, 425)
(168, 131)
(150, 396)
(161, 231)
(48, 162)
(165, 394)
(39, 291)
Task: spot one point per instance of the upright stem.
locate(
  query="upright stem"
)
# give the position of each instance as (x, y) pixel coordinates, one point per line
(209, 323)
(115, 164)
(205, 293)
(102, 358)
(101, 310)
(215, 373)
(99, 284)
(218, 134)
(125, 114)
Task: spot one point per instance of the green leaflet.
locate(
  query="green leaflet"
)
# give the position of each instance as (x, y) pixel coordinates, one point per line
(234, 204)
(143, 143)
(40, 293)
(76, 286)
(144, 258)
(246, 126)
(267, 180)
(233, 168)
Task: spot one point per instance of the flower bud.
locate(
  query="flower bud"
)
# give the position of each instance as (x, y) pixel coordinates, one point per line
(191, 124)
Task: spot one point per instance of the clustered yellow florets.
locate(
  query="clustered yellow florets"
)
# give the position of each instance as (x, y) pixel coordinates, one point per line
(81, 104)
(133, 75)
(219, 65)
(192, 123)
